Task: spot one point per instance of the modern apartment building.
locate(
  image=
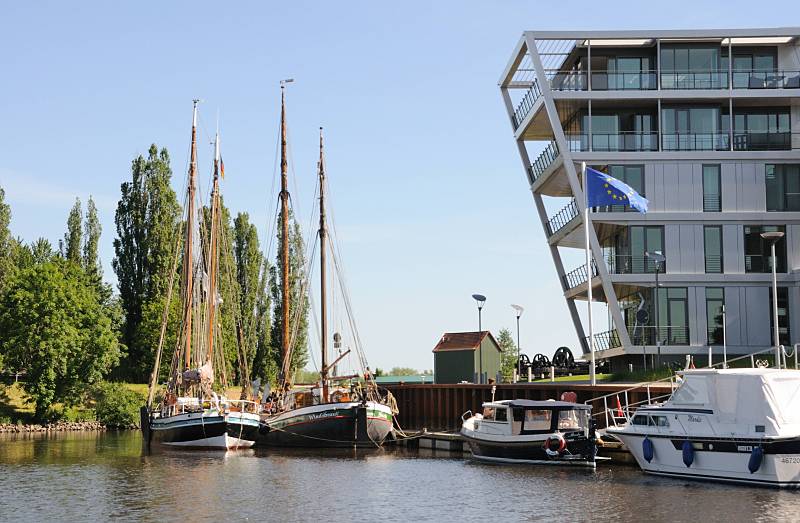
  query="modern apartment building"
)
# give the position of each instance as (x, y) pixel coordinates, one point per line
(706, 125)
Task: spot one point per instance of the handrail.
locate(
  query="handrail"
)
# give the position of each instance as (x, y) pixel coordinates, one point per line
(544, 160)
(526, 104)
(578, 276)
(774, 79)
(605, 340)
(620, 141)
(690, 141)
(562, 217)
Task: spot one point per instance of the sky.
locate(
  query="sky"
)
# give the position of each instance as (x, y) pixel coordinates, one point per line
(429, 197)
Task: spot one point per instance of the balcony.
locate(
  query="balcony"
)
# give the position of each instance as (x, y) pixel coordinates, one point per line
(567, 80)
(617, 142)
(605, 340)
(577, 277)
(624, 81)
(694, 80)
(695, 142)
(766, 79)
(562, 218)
(526, 104)
(666, 334)
(765, 141)
(543, 161)
(631, 264)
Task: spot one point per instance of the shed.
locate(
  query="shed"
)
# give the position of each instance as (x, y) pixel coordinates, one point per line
(460, 356)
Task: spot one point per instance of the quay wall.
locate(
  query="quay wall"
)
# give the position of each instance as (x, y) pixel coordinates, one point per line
(439, 407)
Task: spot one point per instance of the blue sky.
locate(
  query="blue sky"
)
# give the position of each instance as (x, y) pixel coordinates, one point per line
(429, 196)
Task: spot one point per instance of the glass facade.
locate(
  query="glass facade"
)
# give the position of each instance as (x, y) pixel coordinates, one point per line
(712, 242)
(783, 187)
(673, 311)
(694, 129)
(712, 189)
(784, 337)
(633, 175)
(692, 66)
(715, 301)
(628, 254)
(757, 251)
(762, 129)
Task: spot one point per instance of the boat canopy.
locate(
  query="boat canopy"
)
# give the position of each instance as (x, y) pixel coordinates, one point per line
(764, 400)
(546, 404)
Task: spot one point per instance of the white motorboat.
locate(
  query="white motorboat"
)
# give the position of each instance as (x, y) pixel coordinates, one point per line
(533, 432)
(731, 425)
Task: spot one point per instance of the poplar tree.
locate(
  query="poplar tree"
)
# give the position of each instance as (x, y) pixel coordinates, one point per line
(264, 366)
(73, 239)
(6, 241)
(147, 221)
(92, 230)
(249, 261)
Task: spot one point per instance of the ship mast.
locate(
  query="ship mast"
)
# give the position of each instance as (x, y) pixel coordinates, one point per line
(284, 196)
(213, 249)
(188, 262)
(322, 270)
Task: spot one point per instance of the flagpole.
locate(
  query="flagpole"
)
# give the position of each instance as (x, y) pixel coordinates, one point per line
(587, 224)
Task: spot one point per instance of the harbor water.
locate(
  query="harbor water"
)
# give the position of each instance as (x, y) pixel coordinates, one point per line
(102, 476)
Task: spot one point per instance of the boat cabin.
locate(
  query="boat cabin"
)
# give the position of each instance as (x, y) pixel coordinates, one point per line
(524, 417)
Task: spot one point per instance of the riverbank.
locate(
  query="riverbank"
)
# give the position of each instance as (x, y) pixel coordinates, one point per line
(61, 426)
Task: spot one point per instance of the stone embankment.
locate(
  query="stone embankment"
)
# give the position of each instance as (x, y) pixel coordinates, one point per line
(62, 426)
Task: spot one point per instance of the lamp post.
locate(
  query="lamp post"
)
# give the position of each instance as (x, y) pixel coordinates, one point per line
(519, 311)
(480, 299)
(774, 237)
(658, 258)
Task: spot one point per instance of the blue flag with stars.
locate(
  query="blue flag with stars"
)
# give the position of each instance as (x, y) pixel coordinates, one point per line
(603, 189)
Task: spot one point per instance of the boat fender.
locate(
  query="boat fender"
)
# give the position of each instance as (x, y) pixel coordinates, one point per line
(555, 445)
(688, 453)
(756, 456)
(647, 449)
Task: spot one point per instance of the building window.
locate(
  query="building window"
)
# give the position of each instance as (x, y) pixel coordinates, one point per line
(715, 301)
(694, 129)
(757, 251)
(712, 189)
(692, 67)
(673, 311)
(762, 130)
(633, 175)
(783, 187)
(628, 254)
(783, 317)
(712, 241)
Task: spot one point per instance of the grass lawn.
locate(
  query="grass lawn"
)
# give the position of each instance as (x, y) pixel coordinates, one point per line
(578, 377)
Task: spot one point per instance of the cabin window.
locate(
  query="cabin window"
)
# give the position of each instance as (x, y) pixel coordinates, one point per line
(639, 420)
(661, 421)
(501, 415)
(568, 420)
(488, 413)
(537, 419)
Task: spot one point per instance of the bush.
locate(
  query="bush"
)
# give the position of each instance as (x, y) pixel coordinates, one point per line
(116, 405)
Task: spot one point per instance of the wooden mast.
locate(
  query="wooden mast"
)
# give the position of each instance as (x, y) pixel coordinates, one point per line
(213, 248)
(322, 270)
(284, 246)
(187, 260)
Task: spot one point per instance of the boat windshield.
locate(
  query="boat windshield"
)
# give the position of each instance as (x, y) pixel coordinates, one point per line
(538, 419)
(572, 420)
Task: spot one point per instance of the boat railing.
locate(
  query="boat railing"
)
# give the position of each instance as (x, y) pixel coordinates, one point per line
(617, 409)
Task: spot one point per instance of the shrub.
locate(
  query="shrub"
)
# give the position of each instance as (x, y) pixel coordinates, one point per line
(116, 405)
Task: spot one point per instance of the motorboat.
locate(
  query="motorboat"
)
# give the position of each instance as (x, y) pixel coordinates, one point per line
(534, 432)
(725, 425)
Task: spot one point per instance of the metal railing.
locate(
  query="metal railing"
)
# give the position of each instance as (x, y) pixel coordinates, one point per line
(562, 218)
(577, 276)
(694, 79)
(765, 141)
(695, 141)
(526, 104)
(605, 340)
(631, 264)
(713, 263)
(766, 79)
(665, 334)
(621, 141)
(712, 202)
(544, 160)
(623, 80)
(567, 80)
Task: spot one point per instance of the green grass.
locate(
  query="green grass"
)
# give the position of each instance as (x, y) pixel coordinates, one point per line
(578, 377)
(13, 405)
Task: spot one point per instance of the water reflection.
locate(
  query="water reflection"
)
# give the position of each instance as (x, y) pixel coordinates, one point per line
(97, 476)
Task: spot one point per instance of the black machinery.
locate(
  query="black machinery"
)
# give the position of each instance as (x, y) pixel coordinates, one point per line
(563, 362)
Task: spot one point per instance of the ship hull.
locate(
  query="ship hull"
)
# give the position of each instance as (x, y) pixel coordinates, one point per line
(204, 431)
(329, 425)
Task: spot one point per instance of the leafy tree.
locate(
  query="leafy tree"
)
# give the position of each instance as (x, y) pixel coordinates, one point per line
(6, 240)
(73, 239)
(403, 371)
(147, 221)
(249, 261)
(41, 251)
(117, 405)
(298, 301)
(53, 326)
(92, 230)
(264, 361)
(508, 358)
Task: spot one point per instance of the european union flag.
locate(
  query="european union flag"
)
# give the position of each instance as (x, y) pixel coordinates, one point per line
(603, 189)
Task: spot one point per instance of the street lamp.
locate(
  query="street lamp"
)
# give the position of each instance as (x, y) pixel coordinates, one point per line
(519, 311)
(480, 299)
(658, 258)
(774, 237)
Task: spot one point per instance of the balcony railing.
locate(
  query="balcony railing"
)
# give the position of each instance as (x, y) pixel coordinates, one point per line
(543, 161)
(526, 104)
(577, 276)
(666, 334)
(631, 264)
(695, 141)
(765, 141)
(567, 80)
(605, 340)
(761, 263)
(713, 263)
(766, 79)
(622, 141)
(562, 218)
(623, 81)
(694, 80)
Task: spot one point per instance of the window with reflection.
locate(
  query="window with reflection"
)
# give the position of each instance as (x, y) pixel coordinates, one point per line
(757, 251)
(783, 317)
(762, 129)
(712, 188)
(783, 187)
(692, 66)
(712, 243)
(715, 300)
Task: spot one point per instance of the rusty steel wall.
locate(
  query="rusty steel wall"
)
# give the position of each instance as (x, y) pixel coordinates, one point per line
(439, 407)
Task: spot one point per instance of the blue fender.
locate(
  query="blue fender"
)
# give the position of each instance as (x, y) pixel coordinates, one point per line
(647, 449)
(688, 453)
(756, 456)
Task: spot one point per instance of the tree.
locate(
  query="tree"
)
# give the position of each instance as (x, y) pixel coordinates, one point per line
(73, 239)
(147, 222)
(403, 371)
(249, 261)
(92, 230)
(508, 358)
(298, 301)
(264, 361)
(41, 251)
(53, 326)
(6, 240)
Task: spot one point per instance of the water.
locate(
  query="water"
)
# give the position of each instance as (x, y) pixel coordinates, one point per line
(96, 477)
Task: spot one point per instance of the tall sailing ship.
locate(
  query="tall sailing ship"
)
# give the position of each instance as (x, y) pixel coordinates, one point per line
(190, 414)
(339, 411)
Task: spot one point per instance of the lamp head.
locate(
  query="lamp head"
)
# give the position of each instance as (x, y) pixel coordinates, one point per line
(772, 236)
(480, 298)
(518, 308)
